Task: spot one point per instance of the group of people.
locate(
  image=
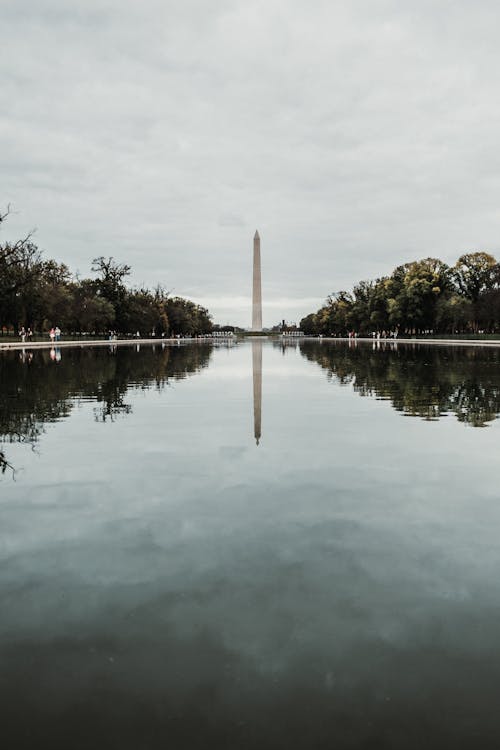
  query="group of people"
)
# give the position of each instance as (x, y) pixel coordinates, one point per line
(55, 334)
(377, 334)
(385, 334)
(26, 335)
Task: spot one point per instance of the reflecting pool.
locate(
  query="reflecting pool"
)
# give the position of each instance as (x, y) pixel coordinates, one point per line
(257, 545)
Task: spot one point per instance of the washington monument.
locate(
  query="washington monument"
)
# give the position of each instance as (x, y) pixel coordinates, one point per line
(257, 288)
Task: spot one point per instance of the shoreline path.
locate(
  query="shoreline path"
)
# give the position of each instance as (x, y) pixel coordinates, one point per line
(18, 345)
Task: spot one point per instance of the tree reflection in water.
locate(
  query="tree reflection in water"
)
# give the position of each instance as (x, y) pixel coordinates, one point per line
(420, 381)
(4, 464)
(36, 388)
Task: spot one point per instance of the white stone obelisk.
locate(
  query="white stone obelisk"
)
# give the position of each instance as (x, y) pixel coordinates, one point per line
(257, 287)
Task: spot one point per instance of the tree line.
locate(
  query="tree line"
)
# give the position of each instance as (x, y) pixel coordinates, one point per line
(38, 293)
(426, 296)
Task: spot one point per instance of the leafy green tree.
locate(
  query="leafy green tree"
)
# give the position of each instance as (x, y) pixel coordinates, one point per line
(475, 273)
(90, 312)
(453, 313)
(140, 312)
(20, 267)
(111, 285)
(309, 324)
(187, 318)
(488, 309)
(52, 297)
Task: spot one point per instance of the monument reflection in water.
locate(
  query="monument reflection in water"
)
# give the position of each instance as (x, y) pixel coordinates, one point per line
(165, 583)
(257, 389)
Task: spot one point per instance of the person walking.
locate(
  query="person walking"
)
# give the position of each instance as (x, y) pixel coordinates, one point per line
(29, 335)
(52, 334)
(22, 334)
(57, 333)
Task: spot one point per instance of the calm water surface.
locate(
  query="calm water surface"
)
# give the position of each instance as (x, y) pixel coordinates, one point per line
(166, 581)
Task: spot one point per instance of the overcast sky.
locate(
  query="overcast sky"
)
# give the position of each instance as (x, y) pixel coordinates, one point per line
(354, 135)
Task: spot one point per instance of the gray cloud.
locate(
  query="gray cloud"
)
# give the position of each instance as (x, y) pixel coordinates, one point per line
(354, 136)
